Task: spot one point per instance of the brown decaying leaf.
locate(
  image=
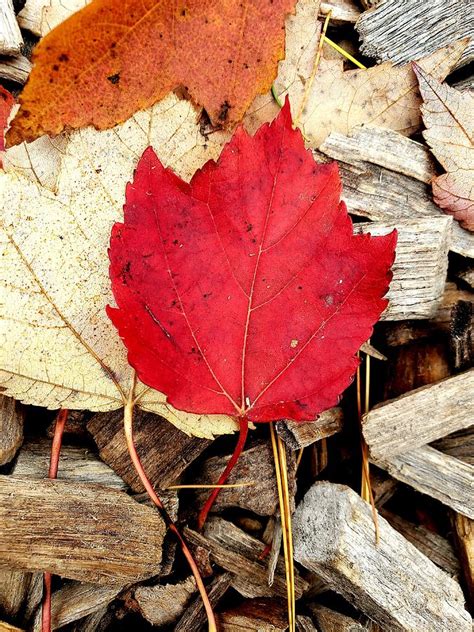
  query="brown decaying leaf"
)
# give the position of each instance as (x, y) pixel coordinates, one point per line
(113, 58)
(448, 117)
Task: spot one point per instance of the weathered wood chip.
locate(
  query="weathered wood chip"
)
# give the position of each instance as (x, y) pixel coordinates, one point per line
(194, 616)
(393, 583)
(331, 621)
(164, 604)
(11, 428)
(257, 615)
(11, 40)
(300, 435)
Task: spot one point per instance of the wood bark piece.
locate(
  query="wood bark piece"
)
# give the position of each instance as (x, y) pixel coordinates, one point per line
(438, 475)
(377, 192)
(305, 624)
(237, 552)
(85, 532)
(461, 339)
(459, 445)
(405, 31)
(164, 604)
(464, 537)
(194, 617)
(11, 40)
(421, 263)
(300, 435)
(11, 428)
(420, 416)
(14, 586)
(15, 69)
(164, 450)
(392, 583)
(254, 465)
(254, 615)
(438, 549)
(331, 621)
(99, 621)
(75, 601)
(342, 11)
(77, 464)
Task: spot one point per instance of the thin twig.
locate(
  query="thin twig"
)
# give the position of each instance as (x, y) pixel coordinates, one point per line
(52, 473)
(128, 427)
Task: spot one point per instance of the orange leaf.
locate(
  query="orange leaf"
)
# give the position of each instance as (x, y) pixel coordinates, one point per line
(113, 58)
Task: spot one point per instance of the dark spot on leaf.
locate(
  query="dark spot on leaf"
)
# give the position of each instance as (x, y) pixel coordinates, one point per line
(114, 78)
(249, 227)
(63, 57)
(224, 111)
(55, 67)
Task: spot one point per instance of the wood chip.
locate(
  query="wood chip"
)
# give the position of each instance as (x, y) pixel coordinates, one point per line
(342, 11)
(194, 617)
(464, 537)
(6, 627)
(421, 262)
(85, 532)
(165, 604)
(300, 435)
(75, 601)
(237, 552)
(438, 475)
(14, 587)
(164, 450)
(459, 444)
(77, 464)
(255, 615)
(380, 193)
(393, 583)
(420, 416)
(12, 416)
(405, 31)
(331, 621)
(11, 40)
(15, 69)
(305, 624)
(254, 465)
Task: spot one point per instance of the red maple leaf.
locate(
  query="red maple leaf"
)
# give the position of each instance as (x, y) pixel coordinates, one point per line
(6, 104)
(245, 291)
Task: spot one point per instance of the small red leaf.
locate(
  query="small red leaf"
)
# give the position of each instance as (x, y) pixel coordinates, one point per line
(6, 104)
(245, 291)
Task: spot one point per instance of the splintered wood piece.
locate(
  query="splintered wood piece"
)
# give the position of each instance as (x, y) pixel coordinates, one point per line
(464, 537)
(254, 615)
(342, 11)
(438, 549)
(421, 263)
(459, 444)
(393, 582)
(99, 621)
(15, 69)
(11, 428)
(383, 486)
(300, 435)
(305, 624)
(383, 147)
(461, 339)
(77, 600)
(433, 24)
(164, 450)
(78, 465)
(331, 621)
(194, 616)
(438, 475)
(6, 627)
(11, 40)
(254, 465)
(378, 193)
(85, 532)
(164, 604)
(237, 552)
(14, 586)
(420, 416)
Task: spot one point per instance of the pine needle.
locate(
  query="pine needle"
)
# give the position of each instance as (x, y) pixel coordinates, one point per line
(224, 486)
(343, 52)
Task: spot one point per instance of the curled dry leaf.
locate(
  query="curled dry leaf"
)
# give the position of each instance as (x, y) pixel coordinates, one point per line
(57, 346)
(109, 60)
(338, 100)
(245, 291)
(448, 117)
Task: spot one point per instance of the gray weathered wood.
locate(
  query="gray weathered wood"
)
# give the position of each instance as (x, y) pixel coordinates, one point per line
(342, 11)
(76, 600)
(438, 549)
(393, 583)
(79, 531)
(379, 193)
(383, 486)
(194, 615)
(383, 147)
(11, 428)
(438, 475)
(331, 621)
(420, 416)
(406, 31)
(237, 552)
(15, 69)
(254, 465)
(300, 435)
(11, 40)
(77, 464)
(420, 267)
(464, 537)
(459, 444)
(164, 450)
(164, 604)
